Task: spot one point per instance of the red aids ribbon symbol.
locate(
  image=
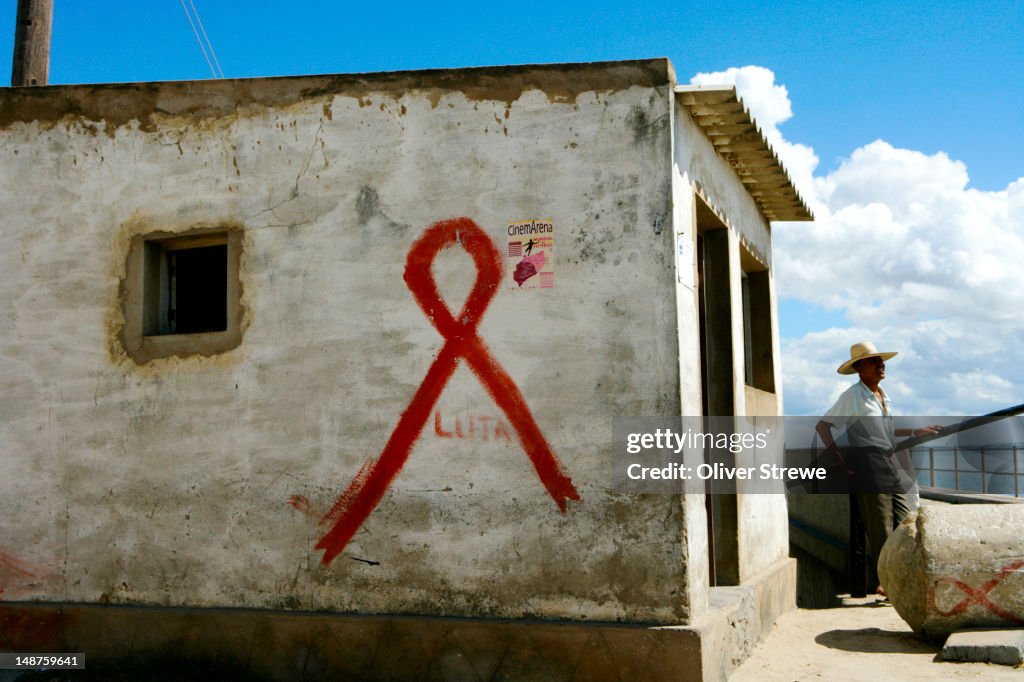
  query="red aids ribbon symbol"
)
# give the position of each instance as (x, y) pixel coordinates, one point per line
(365, 491)
(980, 596)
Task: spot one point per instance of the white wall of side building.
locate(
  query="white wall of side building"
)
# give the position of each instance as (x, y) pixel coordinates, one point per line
(698, 170)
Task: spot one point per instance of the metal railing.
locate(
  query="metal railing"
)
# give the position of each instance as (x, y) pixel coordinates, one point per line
(995, 470)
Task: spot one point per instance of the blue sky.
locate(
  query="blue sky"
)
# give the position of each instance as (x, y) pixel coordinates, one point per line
(922, 75)
(885, 96)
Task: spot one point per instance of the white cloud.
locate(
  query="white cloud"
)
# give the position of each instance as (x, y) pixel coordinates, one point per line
(768, 102)
(913, 257)
(769, 105)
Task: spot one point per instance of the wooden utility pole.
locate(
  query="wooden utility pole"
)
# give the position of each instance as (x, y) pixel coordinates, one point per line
(31, 64)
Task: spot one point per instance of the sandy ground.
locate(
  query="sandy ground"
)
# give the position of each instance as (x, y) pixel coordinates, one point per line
(864, 639)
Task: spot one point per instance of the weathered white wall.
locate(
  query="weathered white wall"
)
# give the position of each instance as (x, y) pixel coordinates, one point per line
(762, 522)
(169, 483)
(695, 541)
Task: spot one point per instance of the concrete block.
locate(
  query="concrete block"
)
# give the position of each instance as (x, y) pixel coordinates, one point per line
(1005, 647)
(957, 567)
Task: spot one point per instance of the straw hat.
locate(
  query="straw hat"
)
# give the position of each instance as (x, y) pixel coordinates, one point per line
(861, 351)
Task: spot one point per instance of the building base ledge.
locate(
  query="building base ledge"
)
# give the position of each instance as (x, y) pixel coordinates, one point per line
(269, 645)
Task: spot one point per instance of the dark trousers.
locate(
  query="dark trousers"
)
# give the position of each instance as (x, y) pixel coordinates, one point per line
(881, 512)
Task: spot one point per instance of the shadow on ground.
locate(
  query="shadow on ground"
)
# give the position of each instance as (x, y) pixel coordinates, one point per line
(876, 640)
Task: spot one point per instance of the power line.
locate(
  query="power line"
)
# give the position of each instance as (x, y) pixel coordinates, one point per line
(199, 40)
(208, 43)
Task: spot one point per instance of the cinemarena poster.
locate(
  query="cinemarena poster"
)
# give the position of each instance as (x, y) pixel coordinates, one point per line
(531, 254)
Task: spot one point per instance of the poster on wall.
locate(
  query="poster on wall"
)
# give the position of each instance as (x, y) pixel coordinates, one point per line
(531, 254)
(684, 259)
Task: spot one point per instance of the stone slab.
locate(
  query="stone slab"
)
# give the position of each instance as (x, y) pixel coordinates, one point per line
(988, 645)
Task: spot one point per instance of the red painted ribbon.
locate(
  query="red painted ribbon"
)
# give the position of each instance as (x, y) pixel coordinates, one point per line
(980, 596)
(365, 491)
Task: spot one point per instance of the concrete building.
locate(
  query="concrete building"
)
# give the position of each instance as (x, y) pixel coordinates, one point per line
(232, 373)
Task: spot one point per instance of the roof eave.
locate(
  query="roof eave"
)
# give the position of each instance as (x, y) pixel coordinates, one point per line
(726, 122)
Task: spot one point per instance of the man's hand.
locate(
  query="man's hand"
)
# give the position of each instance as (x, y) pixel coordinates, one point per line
(920, 431)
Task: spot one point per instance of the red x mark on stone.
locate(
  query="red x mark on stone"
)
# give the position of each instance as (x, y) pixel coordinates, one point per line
(365, 491)
(980, 596)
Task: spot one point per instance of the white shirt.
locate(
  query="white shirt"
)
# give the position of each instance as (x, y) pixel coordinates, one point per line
(866, 419)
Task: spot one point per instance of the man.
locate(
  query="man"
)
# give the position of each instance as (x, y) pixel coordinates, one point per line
(865, 413)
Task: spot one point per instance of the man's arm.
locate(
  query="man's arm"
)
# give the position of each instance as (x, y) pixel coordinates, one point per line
(824, 431)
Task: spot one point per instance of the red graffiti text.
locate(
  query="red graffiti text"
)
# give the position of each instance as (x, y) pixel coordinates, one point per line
(472, 427)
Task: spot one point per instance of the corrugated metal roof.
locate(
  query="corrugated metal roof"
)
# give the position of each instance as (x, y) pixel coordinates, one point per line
(721, 114)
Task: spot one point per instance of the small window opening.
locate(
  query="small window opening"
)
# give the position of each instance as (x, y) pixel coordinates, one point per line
(748, 370)
(186, 287)
(182, 294)
(759, 363)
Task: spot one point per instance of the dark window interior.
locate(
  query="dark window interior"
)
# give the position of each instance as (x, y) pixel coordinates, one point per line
(198, 290)
(186, 286)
